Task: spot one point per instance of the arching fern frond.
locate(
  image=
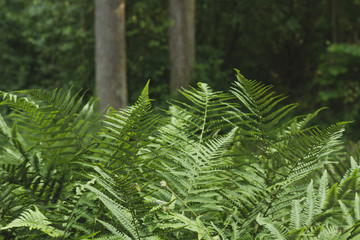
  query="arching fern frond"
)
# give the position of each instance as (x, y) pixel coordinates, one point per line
(125, 203)
(122, 156)
(192, 154)
(54, 127)
(34, 220)
(214, 166)
(261, 106)
(124, 134)
(205, 114)
(279, 154)
(315, 215)
(277, 230)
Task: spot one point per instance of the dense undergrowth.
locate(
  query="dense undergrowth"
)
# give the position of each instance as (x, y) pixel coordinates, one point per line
(214, 166)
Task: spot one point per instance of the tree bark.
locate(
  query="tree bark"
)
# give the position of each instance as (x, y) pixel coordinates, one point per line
(110, 53)
(181, 42)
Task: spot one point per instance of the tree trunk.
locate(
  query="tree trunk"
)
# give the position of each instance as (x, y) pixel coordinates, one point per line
(110, 53)
(181, 42)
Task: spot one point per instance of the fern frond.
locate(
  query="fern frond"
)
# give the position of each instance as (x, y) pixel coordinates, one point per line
(260, 103)
(198, 166)
(296, 215)
(121, 213)
(54, 127)
(114, 231)
(219, 231)
(196, 225)
(310, 204)
(125, 133)
(357, 207)
(34, 220)
(206, 112)
(349, 219)
(4, 129)
(277, 231)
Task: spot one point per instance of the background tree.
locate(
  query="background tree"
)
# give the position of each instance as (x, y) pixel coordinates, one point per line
(110, 53)
(181, 42)
(309, 54)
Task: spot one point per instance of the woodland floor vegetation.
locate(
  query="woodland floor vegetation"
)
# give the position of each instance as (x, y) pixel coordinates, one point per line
(217, 165)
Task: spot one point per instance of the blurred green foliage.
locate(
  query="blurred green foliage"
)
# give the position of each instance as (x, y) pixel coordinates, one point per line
(338, 83)
(46, 44)
(147, 47)
(306, 48)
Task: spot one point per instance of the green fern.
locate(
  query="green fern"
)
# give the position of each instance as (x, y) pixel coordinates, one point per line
(34, 220)
(317, 209)
(285, 153)
(192, 153)
(121, 153)
(41, 160)
(56, 127)
(217, 165)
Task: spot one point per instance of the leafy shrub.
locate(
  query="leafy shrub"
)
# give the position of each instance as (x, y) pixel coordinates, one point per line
(215, 166)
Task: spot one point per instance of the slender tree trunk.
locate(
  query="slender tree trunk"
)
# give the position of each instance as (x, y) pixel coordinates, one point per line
(110, 53)
(182, 42)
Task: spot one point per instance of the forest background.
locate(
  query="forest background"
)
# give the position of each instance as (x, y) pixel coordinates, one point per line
(309, 50)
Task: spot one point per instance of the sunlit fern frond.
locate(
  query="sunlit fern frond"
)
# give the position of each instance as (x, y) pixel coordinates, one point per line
(122, 156)
(203, 112)
(125, 201)
(193, 170)
(276, 230)
(259, 112)
(192, 154)
(34, 219)
(61, 123)
(123, 136)
(320, 210)
(274, 153)
(50, 131)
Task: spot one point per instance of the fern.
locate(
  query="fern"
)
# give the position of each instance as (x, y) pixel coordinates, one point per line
(122, 156)
(318, 209)
(192, 154)
(216, 165)
(41, 157)
(286, 152)
(55, 128)
(34, 220)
